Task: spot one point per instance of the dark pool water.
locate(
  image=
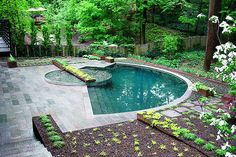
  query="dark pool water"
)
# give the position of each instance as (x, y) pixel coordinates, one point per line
(135, 89)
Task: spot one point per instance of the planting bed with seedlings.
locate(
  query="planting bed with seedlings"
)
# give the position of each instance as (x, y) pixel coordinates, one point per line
(200, 133)
(50, 135)
(126, 139)
(73, 70)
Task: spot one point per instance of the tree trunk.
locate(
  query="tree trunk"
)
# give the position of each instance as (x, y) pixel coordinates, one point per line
(153, 14)
(143, 25)
(199, 11)
(212, 40)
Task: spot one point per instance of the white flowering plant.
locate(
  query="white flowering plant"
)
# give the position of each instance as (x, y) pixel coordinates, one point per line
(226, 132)
(226, 53)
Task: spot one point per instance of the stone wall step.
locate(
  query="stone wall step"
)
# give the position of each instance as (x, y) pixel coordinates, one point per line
(24, 148)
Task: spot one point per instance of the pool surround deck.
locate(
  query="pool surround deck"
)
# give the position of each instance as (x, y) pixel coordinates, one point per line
(26, 94)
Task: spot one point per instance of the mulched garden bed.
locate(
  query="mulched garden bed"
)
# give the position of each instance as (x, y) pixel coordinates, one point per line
(128, 139)
(41, 134)
(191, 121)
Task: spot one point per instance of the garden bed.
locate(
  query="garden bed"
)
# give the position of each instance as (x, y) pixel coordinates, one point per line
(72, 70)
(134, 138)
(126, 139)
(193, 131)
(41, 133)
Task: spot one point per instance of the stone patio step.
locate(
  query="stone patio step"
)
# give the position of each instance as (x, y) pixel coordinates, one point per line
(4, 49)
(24, 148)
(31, 154)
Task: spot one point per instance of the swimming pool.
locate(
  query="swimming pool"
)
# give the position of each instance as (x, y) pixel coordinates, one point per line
(136, 88)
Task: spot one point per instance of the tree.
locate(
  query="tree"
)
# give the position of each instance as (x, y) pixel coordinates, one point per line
(212, 39)
(15, 12)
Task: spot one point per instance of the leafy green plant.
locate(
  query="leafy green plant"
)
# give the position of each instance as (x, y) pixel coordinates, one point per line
(86, 144)
(116, 140)
(103, 153)
(96, 129)
(163, 147)
(136, 149)
(45, 120)
(58, 144)
(209, 146)
(220, 152)
(97, 142)
(136, 142)
(180, 154)
(11, 59)
(175, 149)
(153, 142)
(200, 86)
(189, 136)
(183, 131)
(54, 138)
(170, 45)
(49, 129)
(47, 125)
(232, 89)
(100, 135)
(52, 133)
(199, 141)
(33, 33)
(99, 52)
(46, 35)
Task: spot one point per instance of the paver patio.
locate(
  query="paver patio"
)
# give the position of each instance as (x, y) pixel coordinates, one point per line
(25, 93)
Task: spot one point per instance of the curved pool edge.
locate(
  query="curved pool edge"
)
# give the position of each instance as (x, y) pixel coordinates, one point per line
(58, 82)
(104, 82)
(175, 102)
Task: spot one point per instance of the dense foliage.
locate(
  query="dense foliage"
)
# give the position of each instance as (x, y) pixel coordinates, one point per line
(114, 21)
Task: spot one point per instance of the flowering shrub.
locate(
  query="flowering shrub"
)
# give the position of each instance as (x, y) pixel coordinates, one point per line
(226, 53)
(226, 132)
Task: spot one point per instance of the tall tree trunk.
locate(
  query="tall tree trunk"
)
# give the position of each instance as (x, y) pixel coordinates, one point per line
(143, 25)
(153, 14)
(212, 40)
(199, 11)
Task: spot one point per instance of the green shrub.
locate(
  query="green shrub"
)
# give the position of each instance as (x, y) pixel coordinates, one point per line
(99, 52)
(170, 45)
(52, 133)
(209, 146)
(220, 152)
(49, 129)
(189, 136)
(169, 63)
(47, 125)
(55, 138)
(58, 144)
(43, 117)
(11, 59)
(183, 131)
(199, 141)
(232, 149)
(45, 120)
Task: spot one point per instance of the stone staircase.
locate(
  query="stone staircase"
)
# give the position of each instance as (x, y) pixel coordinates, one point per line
(26, 148)
(3, 46)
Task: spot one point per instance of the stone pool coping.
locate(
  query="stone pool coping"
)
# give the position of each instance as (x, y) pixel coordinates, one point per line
(81, 83)
(177, 101)
(85, 64)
